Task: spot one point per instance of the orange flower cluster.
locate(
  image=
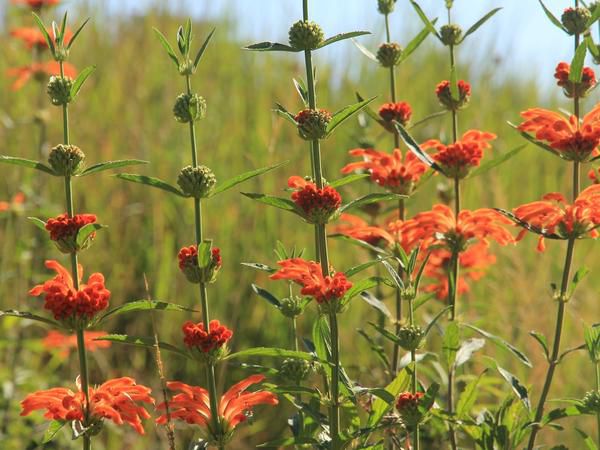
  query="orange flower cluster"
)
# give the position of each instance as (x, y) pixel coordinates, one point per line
(64, 343)
(572, 141)
(408, 400)
(196, 336)
(399, 111)
(571, 89)
(456, 160)
(116, 400)
(444, 95)
(64, 227)
(393, 172)
(39, 71)
(308, 274)
(191, 404)
(318, 205)
(74, 307)
(554, 218)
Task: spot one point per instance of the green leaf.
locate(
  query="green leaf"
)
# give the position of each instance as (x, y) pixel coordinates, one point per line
(204, 253)
(467, 398)
(165, 43)
(228, 184)
(144, 342)
(414, 147)
(577, 63)
(358, 288)
(302, 92)
(451, 343)
(78, 83)
(396, 278)
(436, 318)
(271, 47)
(26, 163)
(427, 118)
(552, 18)
(591, 336)
(144, 305)
(53, 428)
(466, 351)
(594, 18)
(76, 34)
(592, 47)
(284, 113)
(271, 351)
(370, 198)
(47, 37)
(588, 441)
(290, 442)
(86, 231)
(349, 179)
(359, 268)
(341, 37)
(377, 304)
(581, 273)
(560, 413)
(29, 316)
(416, 42)
(108, 165)
(365, 51)
(516, 385)
(150, 181)
(480, 22)
(495, 162)
(340, 116)
(277, 202)
(259, 266)
(387, 334)
(429, 398)
(502, 343)
(63, 28)
(203, 48)
(428, 24)
(380, 406)
(266, 295)
(542, 341)
(38, 223)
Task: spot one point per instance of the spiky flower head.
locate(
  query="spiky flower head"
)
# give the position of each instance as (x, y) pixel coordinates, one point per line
(386, 6)
(295, 370)
(591, 402)
(411, 337)
(292, 306)
(197, 182)
(450, 34)
(312, 123)
(575, 19)
(66, 160)
(389, 54)
(305, 35)
(189, 108)
(446, 99)
(59, 90)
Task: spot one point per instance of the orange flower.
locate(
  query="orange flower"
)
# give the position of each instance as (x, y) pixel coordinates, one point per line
(456, 160)
(192, 405)
(116, 400)
(64, 343)
(358, 228)
(74, 307)
(440, 227)
(389, 171)
(571, 89)
(571, 142)
(399, 111)
(553, 218)
(33, 37)
(308, 274)
(39, 71)
(15, 204)
(36, 4)
(317, 205)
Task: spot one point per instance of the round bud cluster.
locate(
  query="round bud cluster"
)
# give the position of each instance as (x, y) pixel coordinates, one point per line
(386, 6)
(450, 34)
(389, 54)
(197, 182)
(295, 370)
(575, 19)
(291, 307)
(312, 123)
(411, 337)
(66, 160)
(305, 35)
(446, 99)
(189, 108)
(59, 90)
(591, 402)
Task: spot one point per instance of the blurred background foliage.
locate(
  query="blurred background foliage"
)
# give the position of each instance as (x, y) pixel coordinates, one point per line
(124, 110)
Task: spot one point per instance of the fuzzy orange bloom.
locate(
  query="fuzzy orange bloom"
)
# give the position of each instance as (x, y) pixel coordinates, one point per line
(64, 343)
(196, 336)
(456, 160)
(440, 226)
(39, 71)
(317, 205)
(308, 274)
(552, 217)
(192, 405)
(571, 89)
(389, 171)
(572, 142)
(36, 4)
(358, 228)
(33, 37)
(116, 400)
(399, 111)
(75, 307)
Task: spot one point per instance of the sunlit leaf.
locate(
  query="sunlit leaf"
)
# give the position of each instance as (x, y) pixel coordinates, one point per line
(228, 184)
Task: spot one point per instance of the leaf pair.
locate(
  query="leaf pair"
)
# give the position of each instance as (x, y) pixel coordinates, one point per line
(100, 167)
(56, 43)
(277, 47)
(184, 40)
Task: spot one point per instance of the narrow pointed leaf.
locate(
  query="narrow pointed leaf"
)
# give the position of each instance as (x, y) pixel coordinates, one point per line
(271, 352)
(343, 114)
(427, 118)
(394, 274)
(592, 47)
(377, 304)
(594, 18)
(358, 288)
(416, 42)
(76, 34)
(203, 48)
(29, 316)
(502, 343)
(86, 231)
(451, 343)
(370, 198)
(365, 51)
(495, 162)
(552, 18)
(349, 179)
(577, 63)
(302, 92)
(145, 342)
(587, 440)
(467, 398)
(387, 334)
(277, 202)
(380, 406)
(26, 163)
(284, 113)
(360, 267)
(145, 305)
(431, 324)
(165, 43)
(467, 349)
(108, 165)
(480, 22)
(414, 147)
(428, 23)
(542, 341)
(271, 47)
(516, 385)
(78, 83)
(342, 36)
(267, 296)
(372, 114)
(150, 181)
(228, 184)
(42, 28)
(38, 223)
(53, 428)
(259, 266)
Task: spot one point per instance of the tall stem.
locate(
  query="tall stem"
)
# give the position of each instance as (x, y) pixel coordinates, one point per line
(597, 367)
(415, 382)
(392, 78)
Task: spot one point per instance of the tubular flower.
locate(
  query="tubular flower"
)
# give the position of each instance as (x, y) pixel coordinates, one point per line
(64, 230)
(317, 205)
(33, 37)
(407, 405)
(389, 171)
(358, 228)
(211, 343)
(39, 71)
(399, 111)
(189, 264)
(36, 4)
(459, 158)
(553, 218)
(472, 262)
(192, 406)
(440, 226)
(570, 88)
(572, 142)
(308, 274)
(117, 400)
(64, 343)
(446, 99)
(73, 307)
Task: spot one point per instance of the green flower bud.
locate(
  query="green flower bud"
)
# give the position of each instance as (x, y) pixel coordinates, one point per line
(306, 35)
(66, 160)
(186, 68)
(575, 19)
(197, 182)
(292, 307)
(312, 123)
(451, 34)
(389, 54)
(386, 6)
(411, 337)
(295, 370)
(59, 90)
(189, 108)
(591, 402)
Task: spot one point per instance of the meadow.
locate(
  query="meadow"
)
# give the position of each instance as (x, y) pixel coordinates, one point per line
(124, 112)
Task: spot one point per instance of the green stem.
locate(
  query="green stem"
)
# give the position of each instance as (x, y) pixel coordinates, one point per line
(597, 366)
(392, 78)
